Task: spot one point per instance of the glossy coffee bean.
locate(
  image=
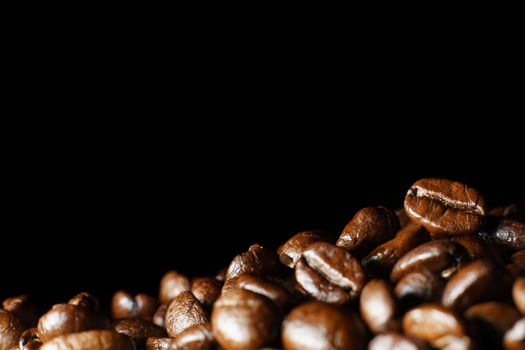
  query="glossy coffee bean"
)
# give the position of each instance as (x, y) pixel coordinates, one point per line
(437, 325)
(474, 246)
(419, 286)
(194, 338)
(337, 266)
(257, 260)
(66, 318)
(445, 207)
(320, 326)
(271, 290)
(505, 233)
(22, 308)
(313, 284)
(125, 305)
(10, 330)
(493, 317)
(184, 311)
(139, 329)
(518, 294)
(395, 341)
(383, 258)
(291, 251)
(171, 285)
(87, 300)
(378, 307)
(206, 290)
(90, 340)
(153, 343)
(514, 338)
(160, 315)
(243, 320)
(368, 228)
(29, 340)
(477, 281)
(439, 256)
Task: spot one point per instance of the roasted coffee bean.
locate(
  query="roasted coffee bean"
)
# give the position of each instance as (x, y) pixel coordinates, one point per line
(206, 290)
(184, 311)
(87, 300)
(66, 318)
(243, 320)
(171, 285)
(10, 330)
(378, 307)
(439, 256)
(445, 207)
(139, 329)
(124, 305)
(419, 286)
(311, 283)
(337, 266)
(383, 258)
(505, 233)
(368, 228)
(22, 308)
(153, 343)
(291, 251)
(402, 216)
(29, 340)
(194, 338)
(477, 281)
(474, 246)
(438, 326)
(90, 340)
(518, 294)
(320, 326)
(493, 316)
(221, 274)
(271, 290)
(514, 339)
(395, 341)
(160, 315)
(257, 260)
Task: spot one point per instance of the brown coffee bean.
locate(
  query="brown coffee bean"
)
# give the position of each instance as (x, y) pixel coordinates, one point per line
(395, 341)
(419, 286)
(221, 274)
(194, 338)
(505, 233)
(291, 251)
(259, 285)
(438, 326)
(22, 308)
(171, 285)
(518, 294)
(337, 266)
(477, 281)
(368, 228)
(383, 258)
(153, 343)
(206, 290)
(139, 329)
(402, 216)
(439, 256)
(184, 311)
(257, 260)
(90, 340)
(311, 283)
(378, 307)
(445, 207)
(10, 330)
(493, 316)
(124, 305)
(66, 318)
(514, 339)
(160, 315)
(320, 326)
(29, 340)
(474, 246)
(87, 300)
(243, 320)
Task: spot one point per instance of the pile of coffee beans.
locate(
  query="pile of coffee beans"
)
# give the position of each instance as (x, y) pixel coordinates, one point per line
(444, 272)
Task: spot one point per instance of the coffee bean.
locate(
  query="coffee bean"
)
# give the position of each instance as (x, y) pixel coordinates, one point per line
(184, 311)
(259, 285)
(66, 318)
(291, 251)
(22, 308)
(402, 216)
(153, 343)
(206, 290)
(311, 283)
(124, 305)
(320, 326)
(29, 340)
(243, 320)
(445, 207)
(378, 307)
(395, 341)
(419, 286)
(383, 258)
(368, 228)
(514, 338)
(199, 337)
(160, 315)
(221, 274)
(477, 281)
(493, 316)
(90, 340)
(171, 285)
(474, 246)
(10, 330)
(518, 294)
(257, 260)
(505, 233)
(439, 256)
(138, 329)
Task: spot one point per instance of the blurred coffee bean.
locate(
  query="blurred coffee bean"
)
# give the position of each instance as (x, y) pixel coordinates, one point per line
(378, 307)
(445, 207)
(419, 286)
(291, 251)
(221, 274)
(22, 308)
(505, 233)
(10, 330)
(474, 246)
(493, 316)
(271, 290)
(160, 315)
(139, 329)
(153, 343)
(90, 340)
(395, 341)
(199, 337)
(184, 311)
(514, 339)
(518, 294)
(171, 285)
(29, 340)
(206, 290)
(124, 305)
(368, 228)
(402, 216)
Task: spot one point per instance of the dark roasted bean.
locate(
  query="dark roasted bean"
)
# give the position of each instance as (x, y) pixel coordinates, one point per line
(259, 285)
(505, 233)
(493, 316)
(87, 300)
(194, 338)
(419, 286)
(90, 340)
(518, 294)
(10, 330)
(124, 305)
(291, 251)
(378, 307)
(154, 343)
(139, 329)
(313, 284)
(171, 285)
(22, 308)
(29, 340)
(184, 311)
(514, 339)
(402, 216)
(206, 290)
